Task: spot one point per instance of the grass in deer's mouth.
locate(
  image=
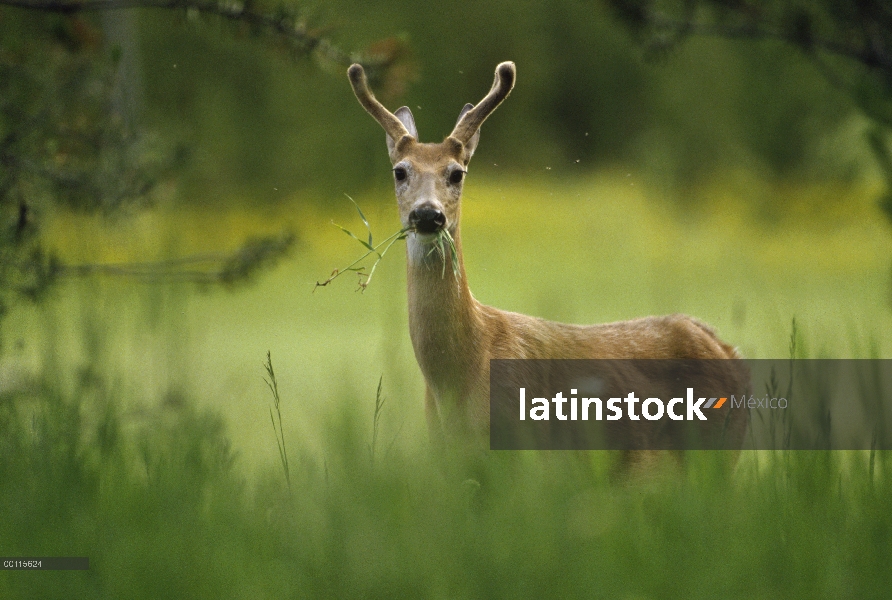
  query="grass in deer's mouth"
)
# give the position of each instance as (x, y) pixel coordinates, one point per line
(443, 239)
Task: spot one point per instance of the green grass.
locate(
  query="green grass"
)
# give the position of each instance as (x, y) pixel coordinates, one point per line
(139, 434)
(163, 509)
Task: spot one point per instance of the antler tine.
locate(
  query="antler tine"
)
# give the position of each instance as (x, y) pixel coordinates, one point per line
(394, 128)
(473, 119)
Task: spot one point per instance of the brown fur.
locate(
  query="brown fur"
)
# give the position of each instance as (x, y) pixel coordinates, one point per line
(453, 335)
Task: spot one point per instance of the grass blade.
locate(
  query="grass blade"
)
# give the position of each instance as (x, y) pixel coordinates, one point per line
(351, 234)
(273, 386)
(364, 220)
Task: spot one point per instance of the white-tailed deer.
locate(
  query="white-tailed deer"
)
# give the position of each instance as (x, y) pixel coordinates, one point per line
(455, 336)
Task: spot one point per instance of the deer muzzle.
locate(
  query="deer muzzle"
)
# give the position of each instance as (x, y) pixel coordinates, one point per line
(427, 220)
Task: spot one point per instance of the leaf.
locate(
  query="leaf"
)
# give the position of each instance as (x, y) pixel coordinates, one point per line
(364, 220)
(351, 234)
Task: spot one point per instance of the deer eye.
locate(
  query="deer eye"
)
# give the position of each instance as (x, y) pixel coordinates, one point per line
(456, 176)
(400, 174)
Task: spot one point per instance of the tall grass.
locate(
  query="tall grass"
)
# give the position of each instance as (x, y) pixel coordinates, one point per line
(163, 509)
(278, 430)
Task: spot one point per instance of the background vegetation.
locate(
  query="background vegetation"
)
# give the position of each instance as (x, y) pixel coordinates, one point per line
(149, 154)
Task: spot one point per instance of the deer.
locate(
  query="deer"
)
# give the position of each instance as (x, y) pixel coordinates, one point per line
(453, 335)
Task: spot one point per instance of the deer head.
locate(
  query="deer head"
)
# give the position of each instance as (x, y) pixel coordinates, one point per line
(429, 177)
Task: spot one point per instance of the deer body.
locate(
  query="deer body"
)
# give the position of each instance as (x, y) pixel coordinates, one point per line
(453, 335)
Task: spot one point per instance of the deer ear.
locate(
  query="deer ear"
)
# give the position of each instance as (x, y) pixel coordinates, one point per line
(472, 143)
(463, 112)
(405, 116)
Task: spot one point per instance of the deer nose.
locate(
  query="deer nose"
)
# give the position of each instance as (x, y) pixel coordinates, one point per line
(427, 220)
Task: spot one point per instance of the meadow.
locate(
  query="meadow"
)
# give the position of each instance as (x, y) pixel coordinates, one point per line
(136, 421)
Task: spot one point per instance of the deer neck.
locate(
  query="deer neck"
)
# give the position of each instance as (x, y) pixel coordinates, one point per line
(444, 318)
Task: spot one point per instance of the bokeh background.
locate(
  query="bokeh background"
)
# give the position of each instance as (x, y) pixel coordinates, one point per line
(170, 181)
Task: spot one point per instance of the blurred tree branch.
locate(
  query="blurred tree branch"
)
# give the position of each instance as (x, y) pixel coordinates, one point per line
(227, 268)
(282, 21)
(859, 31)
(67, 141)
(849, 41)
